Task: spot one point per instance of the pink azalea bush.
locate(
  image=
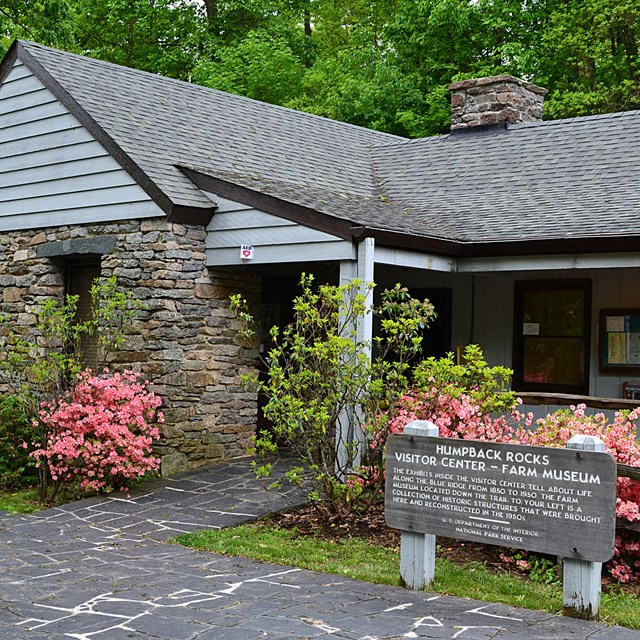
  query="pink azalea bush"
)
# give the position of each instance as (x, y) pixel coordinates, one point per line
(100, 432)
(456, 416)
(620, 439)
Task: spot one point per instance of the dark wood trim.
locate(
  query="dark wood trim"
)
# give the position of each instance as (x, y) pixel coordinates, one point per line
(626, 525)
(508, 248)
(431, 244)
(123, 159)
(200, 216)
(8, 61)
(552, 246)
(627, 471)
(536, 398)
(271, 204)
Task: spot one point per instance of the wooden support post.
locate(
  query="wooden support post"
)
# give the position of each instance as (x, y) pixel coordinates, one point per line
(582, 579)
(418, 550)
(350, 440)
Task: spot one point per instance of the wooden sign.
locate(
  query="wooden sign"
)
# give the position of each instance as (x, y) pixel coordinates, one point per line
(555, 501)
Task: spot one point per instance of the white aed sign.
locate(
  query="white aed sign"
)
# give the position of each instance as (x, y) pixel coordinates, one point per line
(246, 252)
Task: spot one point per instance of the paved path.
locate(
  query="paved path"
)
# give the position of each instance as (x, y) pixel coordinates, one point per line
(101, 569)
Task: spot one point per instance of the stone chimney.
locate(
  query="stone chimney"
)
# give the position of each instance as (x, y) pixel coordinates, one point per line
(494, 100)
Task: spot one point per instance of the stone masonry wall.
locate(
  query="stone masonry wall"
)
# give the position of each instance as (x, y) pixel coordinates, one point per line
(185, 340)
(495, 99)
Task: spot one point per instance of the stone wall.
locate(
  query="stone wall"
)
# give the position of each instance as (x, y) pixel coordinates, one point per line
(496, 99)
(185, 340)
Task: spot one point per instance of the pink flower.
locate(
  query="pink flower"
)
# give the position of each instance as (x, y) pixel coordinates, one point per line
(101, 431)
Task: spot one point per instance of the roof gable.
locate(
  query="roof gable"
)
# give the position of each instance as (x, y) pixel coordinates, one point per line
(159, 123)
(53, 171)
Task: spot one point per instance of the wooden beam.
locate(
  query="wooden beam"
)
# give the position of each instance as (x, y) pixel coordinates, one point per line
(414, 259)
(627, 471)
(556, 263)
(539, 398)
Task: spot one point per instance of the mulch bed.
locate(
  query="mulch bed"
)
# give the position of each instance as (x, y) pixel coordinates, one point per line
(308, 522)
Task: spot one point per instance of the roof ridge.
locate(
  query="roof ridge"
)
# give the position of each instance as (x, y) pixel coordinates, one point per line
(515, 127)
(27, 44)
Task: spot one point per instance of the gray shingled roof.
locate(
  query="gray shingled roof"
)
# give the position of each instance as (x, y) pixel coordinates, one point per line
(552, 180)
(160, 123)
(556, 179)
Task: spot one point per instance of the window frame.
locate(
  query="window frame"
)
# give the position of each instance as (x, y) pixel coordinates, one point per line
(88, 343)
(520, 289)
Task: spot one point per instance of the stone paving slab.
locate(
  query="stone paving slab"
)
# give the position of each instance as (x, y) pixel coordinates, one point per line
(101, 569)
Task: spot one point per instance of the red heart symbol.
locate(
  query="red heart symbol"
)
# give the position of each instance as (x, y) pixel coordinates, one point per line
(246, 253)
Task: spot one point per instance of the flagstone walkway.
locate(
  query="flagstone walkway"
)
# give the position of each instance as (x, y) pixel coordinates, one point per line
(101, 569)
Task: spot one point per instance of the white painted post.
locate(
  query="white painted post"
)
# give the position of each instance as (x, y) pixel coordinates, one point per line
(349, 440)
(581, 579)
(418, 550)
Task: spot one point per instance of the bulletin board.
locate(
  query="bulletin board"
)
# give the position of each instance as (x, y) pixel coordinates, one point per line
(620, 340)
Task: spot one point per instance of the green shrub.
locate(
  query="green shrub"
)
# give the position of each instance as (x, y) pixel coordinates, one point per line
(17, 469)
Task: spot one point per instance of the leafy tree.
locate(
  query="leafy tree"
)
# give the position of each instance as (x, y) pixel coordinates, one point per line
(589, 57)
(259, 66)
(160, 36)
(318, 372)
(48, 21)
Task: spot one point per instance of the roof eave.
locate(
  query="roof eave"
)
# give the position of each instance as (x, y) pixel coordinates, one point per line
(300, 214)
(494, 249)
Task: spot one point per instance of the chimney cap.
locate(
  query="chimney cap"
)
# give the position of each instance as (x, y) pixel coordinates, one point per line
(480, 82)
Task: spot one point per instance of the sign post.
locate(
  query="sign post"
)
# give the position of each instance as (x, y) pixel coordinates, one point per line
(581, 579)
(551, 500)
(418, 550)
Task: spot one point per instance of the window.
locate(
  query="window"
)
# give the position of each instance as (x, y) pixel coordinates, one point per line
(552, 336)
(79, 276)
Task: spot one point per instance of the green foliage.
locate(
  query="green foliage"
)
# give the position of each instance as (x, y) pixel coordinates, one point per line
(259, 66)
(47, 21)
(384, 64)
(488, 387)
(19, 501)
(16, 427)
(538, 568)
(39, 367)
(319, 374)
(113, 312)
(159, 36)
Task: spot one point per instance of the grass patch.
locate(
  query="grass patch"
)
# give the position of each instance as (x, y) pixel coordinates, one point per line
(358, 559)
(353, 558)
(621, 608)
(20, 501)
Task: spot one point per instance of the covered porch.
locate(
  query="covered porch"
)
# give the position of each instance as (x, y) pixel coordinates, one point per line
(541, 315)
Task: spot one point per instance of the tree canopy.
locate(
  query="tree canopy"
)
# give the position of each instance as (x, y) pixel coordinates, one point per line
(383, 64)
